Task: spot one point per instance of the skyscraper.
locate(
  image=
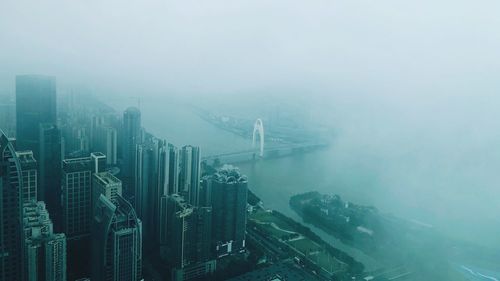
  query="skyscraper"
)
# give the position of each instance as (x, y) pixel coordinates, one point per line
(145, 166)
(44, 250)
(189, 177)
(77, 193)
(49, 164)
(171, 160)
(10, 211)
(187, 242)
(180, 248)
(35, 104)
(29, 175)
(228, 200)
(131, 137)
(116, 241)
(77, 209)
(168, 184)
(156, 176)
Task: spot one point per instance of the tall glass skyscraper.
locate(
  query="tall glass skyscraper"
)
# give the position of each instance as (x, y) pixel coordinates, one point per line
(49, 165)
(156, 175)
(77, 208)
(35, 104)
(187, 239)
(10, 211)
(77, 193)
(132, 136)
(189, 177)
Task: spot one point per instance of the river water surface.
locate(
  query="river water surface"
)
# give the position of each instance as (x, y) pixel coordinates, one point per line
(350, 167)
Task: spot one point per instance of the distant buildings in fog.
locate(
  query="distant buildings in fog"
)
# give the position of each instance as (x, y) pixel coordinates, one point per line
(35, 105)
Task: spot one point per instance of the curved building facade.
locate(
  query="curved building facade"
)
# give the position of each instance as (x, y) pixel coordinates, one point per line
(10, 211)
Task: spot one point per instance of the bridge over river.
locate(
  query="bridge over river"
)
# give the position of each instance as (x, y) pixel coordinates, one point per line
(270, 151)
(282, 142)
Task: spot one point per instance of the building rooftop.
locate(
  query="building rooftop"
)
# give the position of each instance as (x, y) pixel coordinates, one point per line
(106, 178)
(185, 208)
(132, 110)
(229, 174)
(26, 156)
(119, 211)
(37, 224)
(97, 155)
(76, 164)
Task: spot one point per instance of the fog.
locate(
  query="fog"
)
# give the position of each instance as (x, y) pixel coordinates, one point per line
(410, 88)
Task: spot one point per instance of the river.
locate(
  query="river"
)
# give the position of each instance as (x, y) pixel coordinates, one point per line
(357, 172)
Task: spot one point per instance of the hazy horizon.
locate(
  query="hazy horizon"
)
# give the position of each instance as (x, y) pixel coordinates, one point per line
(410, 88)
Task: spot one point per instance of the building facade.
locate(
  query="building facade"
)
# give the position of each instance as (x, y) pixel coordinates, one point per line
(49, 164)
(10, 211)
(44, 250)
(157, 169)
(106, 184)
(190, 172)
(77, 193)
(228, 199)
(187, 242)
(77, 209)
(132, 136)
(29, 175)
(116, 241)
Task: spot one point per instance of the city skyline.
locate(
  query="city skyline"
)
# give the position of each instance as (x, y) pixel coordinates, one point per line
(97, 216)
(256, 140)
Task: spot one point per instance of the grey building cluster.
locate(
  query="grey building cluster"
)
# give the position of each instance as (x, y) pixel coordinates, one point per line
(192, 221)
(111, 189)
(47, 170)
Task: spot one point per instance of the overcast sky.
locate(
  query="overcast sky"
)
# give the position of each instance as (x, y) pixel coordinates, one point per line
(414, 85)
(385, 48)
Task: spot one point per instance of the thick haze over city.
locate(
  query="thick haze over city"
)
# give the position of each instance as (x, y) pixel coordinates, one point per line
(410, 89)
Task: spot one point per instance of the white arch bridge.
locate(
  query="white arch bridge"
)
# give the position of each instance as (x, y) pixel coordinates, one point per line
(269, 151)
